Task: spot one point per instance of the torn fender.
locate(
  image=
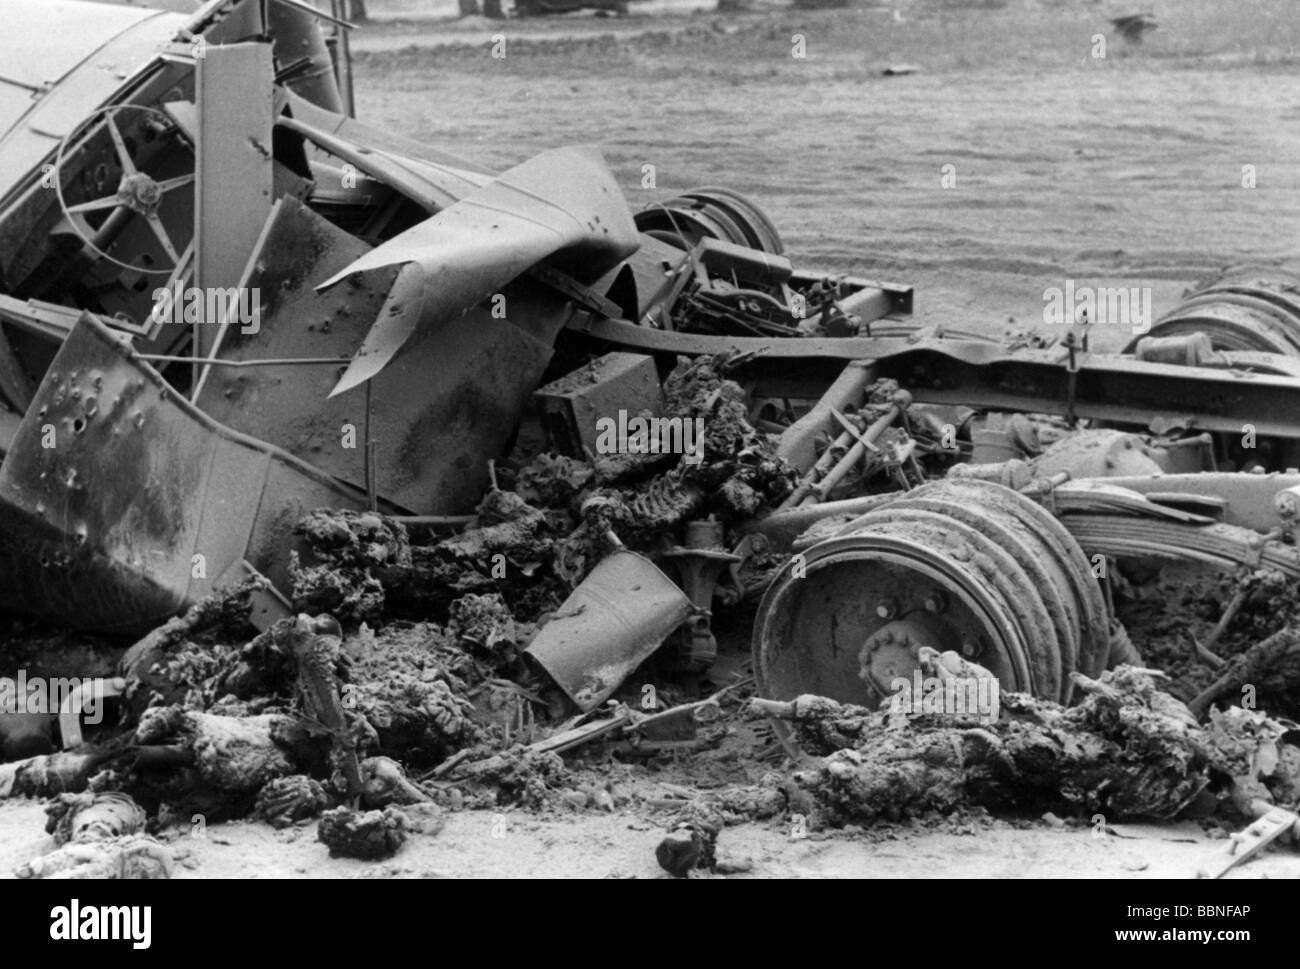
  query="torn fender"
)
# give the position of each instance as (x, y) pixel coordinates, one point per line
(436, 416)
(562, 206)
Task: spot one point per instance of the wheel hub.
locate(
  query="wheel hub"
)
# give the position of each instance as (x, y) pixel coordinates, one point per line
(894, 652)
(139, 192)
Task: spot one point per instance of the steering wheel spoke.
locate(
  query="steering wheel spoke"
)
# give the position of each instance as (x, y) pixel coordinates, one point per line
(123, 156)
(160, 231)
(168, 184)
(98, 205)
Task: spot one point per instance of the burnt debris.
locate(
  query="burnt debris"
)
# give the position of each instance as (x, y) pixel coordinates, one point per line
(347, 483)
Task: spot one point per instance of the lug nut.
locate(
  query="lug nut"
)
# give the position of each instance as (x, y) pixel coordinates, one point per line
(1286, 504)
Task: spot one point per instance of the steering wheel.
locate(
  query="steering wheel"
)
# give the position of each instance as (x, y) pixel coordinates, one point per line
(137, 194)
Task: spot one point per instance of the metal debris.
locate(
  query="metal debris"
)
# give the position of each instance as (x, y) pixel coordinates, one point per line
(502, 444)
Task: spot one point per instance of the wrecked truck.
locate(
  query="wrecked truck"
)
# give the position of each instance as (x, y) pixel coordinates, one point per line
(227, 303)
(404, 304)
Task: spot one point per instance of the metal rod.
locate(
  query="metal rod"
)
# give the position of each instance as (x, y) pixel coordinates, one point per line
(372, 494)
(434, 520)
(218, 362)
(1041, 486)
(857, 434)
(1229, 614)
(822, 465)
(196, 368)
(854, 455)
(343, 48)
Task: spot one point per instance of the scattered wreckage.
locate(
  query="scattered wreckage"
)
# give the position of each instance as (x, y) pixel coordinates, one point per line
(281, 388)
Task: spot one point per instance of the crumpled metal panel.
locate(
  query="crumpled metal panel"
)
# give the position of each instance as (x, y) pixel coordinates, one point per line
(115, 484)
(562, 206)
(607, 627)
(438, 414)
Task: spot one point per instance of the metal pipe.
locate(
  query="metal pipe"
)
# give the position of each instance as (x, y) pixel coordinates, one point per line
(297, 35)
(75, 701)
(372, 492)
(274, 362)
(823, 465)
(343, 64)
(449, 521)
(797, 444)
(854, 455)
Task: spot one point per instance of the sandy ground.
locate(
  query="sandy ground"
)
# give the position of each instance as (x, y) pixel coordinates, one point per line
(476, 844)
(1122, 168)
(1127, 167)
